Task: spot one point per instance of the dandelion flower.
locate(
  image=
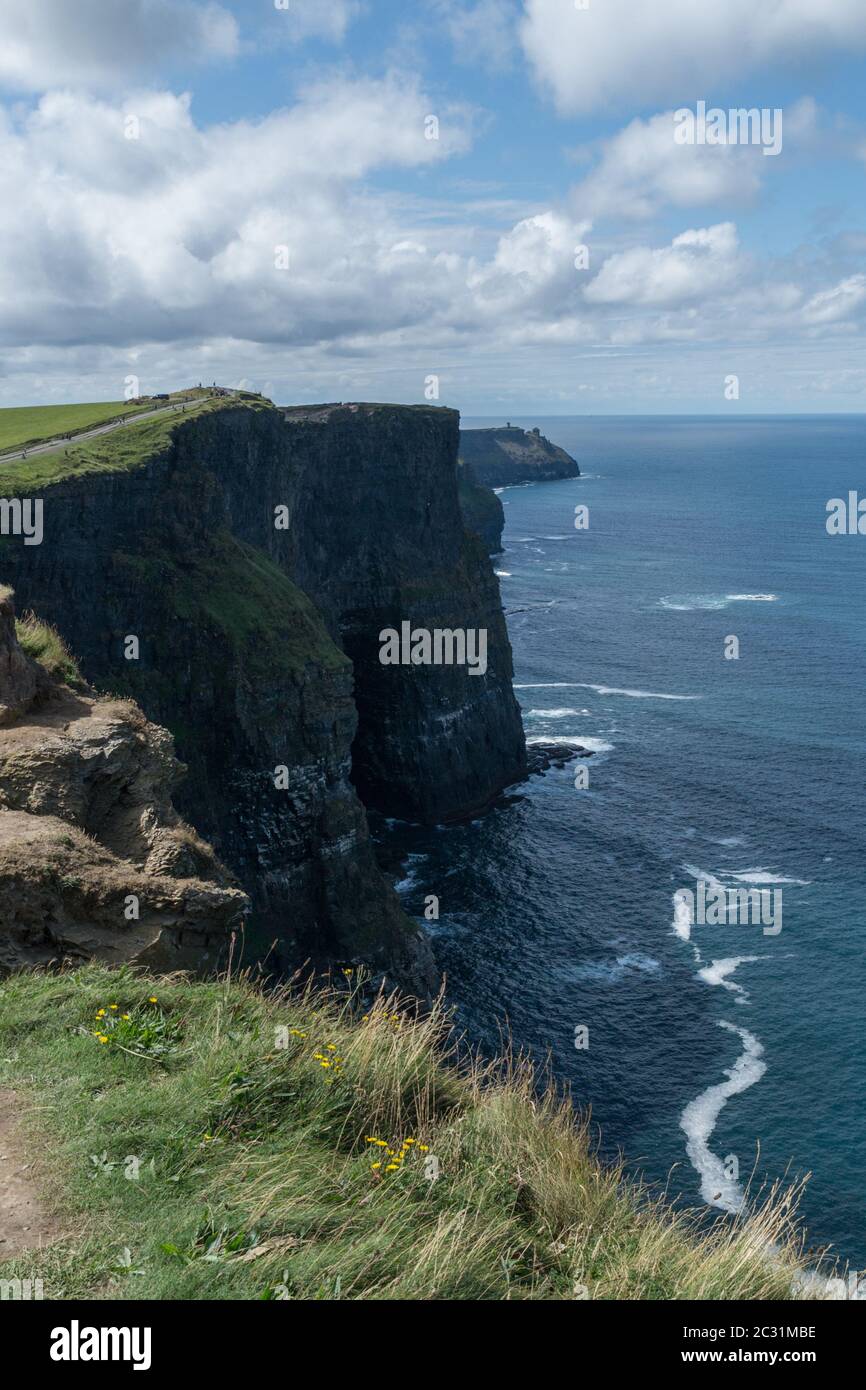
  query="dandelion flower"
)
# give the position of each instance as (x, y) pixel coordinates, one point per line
(374, 1166)
(152, 999)
(391, 1167)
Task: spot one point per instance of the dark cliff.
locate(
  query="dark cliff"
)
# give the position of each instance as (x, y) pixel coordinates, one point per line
(504, 456)
(256, 555)
(482, 510)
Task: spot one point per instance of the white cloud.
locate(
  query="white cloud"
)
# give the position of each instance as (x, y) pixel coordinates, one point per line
(481, 33)
(159, 255)
(838, 303)
(175, 233)
(641, 51)
(105, 42)
(325, 19)
(697, 265)
(642, 168)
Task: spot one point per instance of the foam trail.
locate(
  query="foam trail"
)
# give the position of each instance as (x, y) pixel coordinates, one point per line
(699, 1118)
(605, 690)
(761, 875)
(688, 603)
(555, 713)
(682, 924)
(717, 972)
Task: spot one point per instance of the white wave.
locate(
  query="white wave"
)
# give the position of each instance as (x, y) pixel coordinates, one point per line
(554, 713)
(762, 875)
(592, 745)
(604, 970)
(702, 874)
(682, 923)
(407, 884)
(605, 690)
(699, 1118)
(502, 574)
(731, 842)
(634, 694)
(688, 603)
(753, 598)
(718, 971)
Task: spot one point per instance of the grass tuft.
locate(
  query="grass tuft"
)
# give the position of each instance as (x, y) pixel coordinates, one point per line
(43, 643)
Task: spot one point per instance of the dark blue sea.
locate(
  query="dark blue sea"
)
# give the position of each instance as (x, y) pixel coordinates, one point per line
(720, 1058)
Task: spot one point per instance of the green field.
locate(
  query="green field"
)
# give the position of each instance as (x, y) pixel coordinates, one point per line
(21, 426)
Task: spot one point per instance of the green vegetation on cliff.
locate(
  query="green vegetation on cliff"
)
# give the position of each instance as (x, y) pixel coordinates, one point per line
(43, 643)
(221, 1144)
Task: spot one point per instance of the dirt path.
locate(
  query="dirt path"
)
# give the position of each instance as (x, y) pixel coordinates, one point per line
(24, 1222)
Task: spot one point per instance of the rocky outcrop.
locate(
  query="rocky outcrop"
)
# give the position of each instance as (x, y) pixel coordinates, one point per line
(507, 455)
(94, 859)
(21, 681)
(481, 509)
(255, 560)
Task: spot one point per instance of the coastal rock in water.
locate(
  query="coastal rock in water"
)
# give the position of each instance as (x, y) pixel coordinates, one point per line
(505, 455)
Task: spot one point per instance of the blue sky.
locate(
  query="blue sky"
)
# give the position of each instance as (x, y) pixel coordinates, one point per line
(246, 193)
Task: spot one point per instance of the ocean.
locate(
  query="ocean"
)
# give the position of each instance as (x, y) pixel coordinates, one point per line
(719, 1058)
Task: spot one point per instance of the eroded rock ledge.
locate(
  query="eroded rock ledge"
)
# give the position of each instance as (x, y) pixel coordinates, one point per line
(94, 860)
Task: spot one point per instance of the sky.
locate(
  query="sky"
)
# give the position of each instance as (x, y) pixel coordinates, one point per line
(506, 206)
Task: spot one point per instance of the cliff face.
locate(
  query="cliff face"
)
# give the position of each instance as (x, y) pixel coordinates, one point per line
(240, 555)
(481, 509)
(502, 457)
(94, 860)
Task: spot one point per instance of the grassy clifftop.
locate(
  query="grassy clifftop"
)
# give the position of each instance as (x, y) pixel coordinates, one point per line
(121, 450)
(220, 1144)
